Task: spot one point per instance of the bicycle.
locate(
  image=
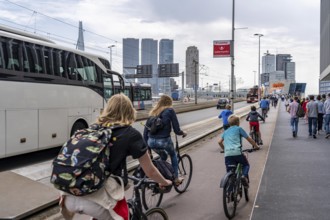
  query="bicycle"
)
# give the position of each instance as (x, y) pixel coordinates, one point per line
(233, 188)
(254, 135)
(152, 197)
(135, 206)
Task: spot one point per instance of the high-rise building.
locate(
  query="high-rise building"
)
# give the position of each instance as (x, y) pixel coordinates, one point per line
(165, 56)
(324, 85)
(130, 56)
(281, 59)
(278, 72)
(283, 63)
(149, 56)
(192, 67)
(268, 63)
(290, 71)
(267, 66)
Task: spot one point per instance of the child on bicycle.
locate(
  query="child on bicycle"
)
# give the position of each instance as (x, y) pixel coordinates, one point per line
(225, 115)
(253, 117)
(231, 144)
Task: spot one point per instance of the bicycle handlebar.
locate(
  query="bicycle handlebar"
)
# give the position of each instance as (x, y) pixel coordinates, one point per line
(249, 150)
(141, 180)
(145, 180)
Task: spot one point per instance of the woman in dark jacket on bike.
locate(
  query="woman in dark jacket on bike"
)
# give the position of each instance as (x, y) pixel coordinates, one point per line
(161, 141)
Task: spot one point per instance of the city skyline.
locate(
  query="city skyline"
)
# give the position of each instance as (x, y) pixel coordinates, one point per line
(286, 30)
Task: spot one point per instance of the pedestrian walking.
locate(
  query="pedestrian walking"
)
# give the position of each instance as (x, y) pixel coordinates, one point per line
(324, 98)
(326, 110)
(320, 114)
(312, 113)
(286, 104)
(293, 108)
(303, 105)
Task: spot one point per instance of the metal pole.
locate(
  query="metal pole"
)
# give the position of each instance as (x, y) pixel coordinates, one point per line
(111, 57)
(182, 87)
(232, 58)
(259, 35)
(259, 72)
(195, 81)
(110, 47)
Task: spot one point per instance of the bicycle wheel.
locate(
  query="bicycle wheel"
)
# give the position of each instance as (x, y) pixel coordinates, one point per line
(230, 197)
(264, 112)
(185, 171)
(254, 136)
(151, 197)
(156, 214)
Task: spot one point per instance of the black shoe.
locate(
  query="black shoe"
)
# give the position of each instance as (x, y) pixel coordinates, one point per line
(328, 135)
(260, 143)
(314, 136)
(293, 134)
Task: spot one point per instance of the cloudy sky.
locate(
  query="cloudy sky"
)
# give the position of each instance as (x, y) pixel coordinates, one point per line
(289, 27)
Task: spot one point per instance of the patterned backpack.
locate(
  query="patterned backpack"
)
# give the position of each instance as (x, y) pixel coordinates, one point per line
(82, 165)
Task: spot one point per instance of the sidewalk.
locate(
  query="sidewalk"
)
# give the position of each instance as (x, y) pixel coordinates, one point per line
(296, 179)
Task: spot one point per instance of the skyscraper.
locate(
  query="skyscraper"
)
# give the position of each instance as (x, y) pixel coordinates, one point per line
(192, 67)
(149, 56)
(130, 56)
(324, 86)
(165, 56)
(267, 66)
(283, 63)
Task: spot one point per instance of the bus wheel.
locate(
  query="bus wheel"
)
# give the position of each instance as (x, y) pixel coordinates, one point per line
(77, 126)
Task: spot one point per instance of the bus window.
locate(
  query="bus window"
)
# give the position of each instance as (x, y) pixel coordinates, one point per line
(31, 57)
(72, 65)
(127, 92)
(48, 60)
(58, 68)
(13, 57)
(90, 71)
(39, 64)
(107, 84)
(137, 94)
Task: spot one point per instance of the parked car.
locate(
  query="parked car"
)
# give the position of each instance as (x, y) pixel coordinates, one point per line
(222, 102)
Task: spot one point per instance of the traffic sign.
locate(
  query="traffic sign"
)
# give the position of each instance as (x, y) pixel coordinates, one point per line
(222, 48)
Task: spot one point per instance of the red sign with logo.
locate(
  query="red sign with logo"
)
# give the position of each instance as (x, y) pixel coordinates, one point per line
(221, 48)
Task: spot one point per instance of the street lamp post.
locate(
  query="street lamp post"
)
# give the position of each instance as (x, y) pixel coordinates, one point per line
(196, 62)
(259, 36)
(110, 47)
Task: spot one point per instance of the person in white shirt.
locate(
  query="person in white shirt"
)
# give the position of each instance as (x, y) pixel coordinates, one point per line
(293, 107)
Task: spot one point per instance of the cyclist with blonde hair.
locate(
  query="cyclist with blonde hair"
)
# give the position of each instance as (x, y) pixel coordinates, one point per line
(161, 141)
(109, 201)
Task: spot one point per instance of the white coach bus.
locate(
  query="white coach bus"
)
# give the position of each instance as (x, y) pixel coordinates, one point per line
(47, 91)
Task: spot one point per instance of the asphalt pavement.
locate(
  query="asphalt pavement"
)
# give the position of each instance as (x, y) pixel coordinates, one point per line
(296, 180)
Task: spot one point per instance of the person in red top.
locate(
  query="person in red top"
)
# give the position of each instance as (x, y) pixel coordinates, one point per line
(304, 106)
